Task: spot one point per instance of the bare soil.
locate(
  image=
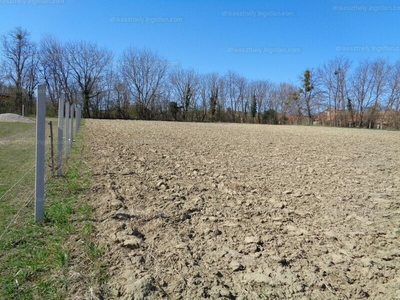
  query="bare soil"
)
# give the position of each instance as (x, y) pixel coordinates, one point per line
(231, 211)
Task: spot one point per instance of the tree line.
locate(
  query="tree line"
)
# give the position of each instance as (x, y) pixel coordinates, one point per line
(140, 84)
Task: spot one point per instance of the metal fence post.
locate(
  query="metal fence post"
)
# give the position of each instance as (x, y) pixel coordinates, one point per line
(40, 152)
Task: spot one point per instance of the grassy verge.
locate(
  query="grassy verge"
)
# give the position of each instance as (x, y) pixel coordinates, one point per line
(17, 156)
(59, 257)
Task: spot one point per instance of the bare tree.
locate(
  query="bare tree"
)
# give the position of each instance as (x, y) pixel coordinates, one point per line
(115, 97)
(231, 78)
(204, 100)
(20, 63)
(144, 72)
(31, 79)
(222, 99)
(326, 73)
(210, 92)
(56, 71)
(297, 105)
(283, 90)
(380, 74)
(122, 99)
(185, 86)
(236, 94)
(334, 83)
(309, 92)
(272, 99)
(87, 63)
(242, 98)
(261, 89)
(361, 88)
(236, 89)
(4, 104)
(393, 103)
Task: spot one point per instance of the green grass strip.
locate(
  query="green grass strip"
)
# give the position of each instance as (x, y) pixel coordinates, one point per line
(58, 257)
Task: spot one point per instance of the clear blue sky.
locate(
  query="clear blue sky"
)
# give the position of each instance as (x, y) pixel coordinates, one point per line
(204, 34)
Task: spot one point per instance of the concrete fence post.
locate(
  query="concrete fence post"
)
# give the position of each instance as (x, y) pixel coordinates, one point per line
(40, 152)
(72, 123)
(66, 129)
(60, 135)
(77, 117)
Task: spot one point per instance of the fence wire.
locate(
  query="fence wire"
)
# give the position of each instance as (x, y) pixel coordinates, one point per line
(18, 186)
(27, 199)
(17, 182)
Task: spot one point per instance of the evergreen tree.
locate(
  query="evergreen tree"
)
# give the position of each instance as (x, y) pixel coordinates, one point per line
(253, 106)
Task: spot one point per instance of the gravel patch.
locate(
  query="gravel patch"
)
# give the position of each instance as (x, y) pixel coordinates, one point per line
(14, 118)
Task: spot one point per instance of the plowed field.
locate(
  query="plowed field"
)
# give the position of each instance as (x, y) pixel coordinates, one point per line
(237, 211)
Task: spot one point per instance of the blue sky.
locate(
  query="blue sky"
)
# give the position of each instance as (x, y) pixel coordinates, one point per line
(250, 37)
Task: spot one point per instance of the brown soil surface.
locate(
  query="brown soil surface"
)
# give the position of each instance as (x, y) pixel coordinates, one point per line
(230, 211)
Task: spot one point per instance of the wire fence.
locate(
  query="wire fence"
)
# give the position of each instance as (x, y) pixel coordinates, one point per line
(19, 161)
